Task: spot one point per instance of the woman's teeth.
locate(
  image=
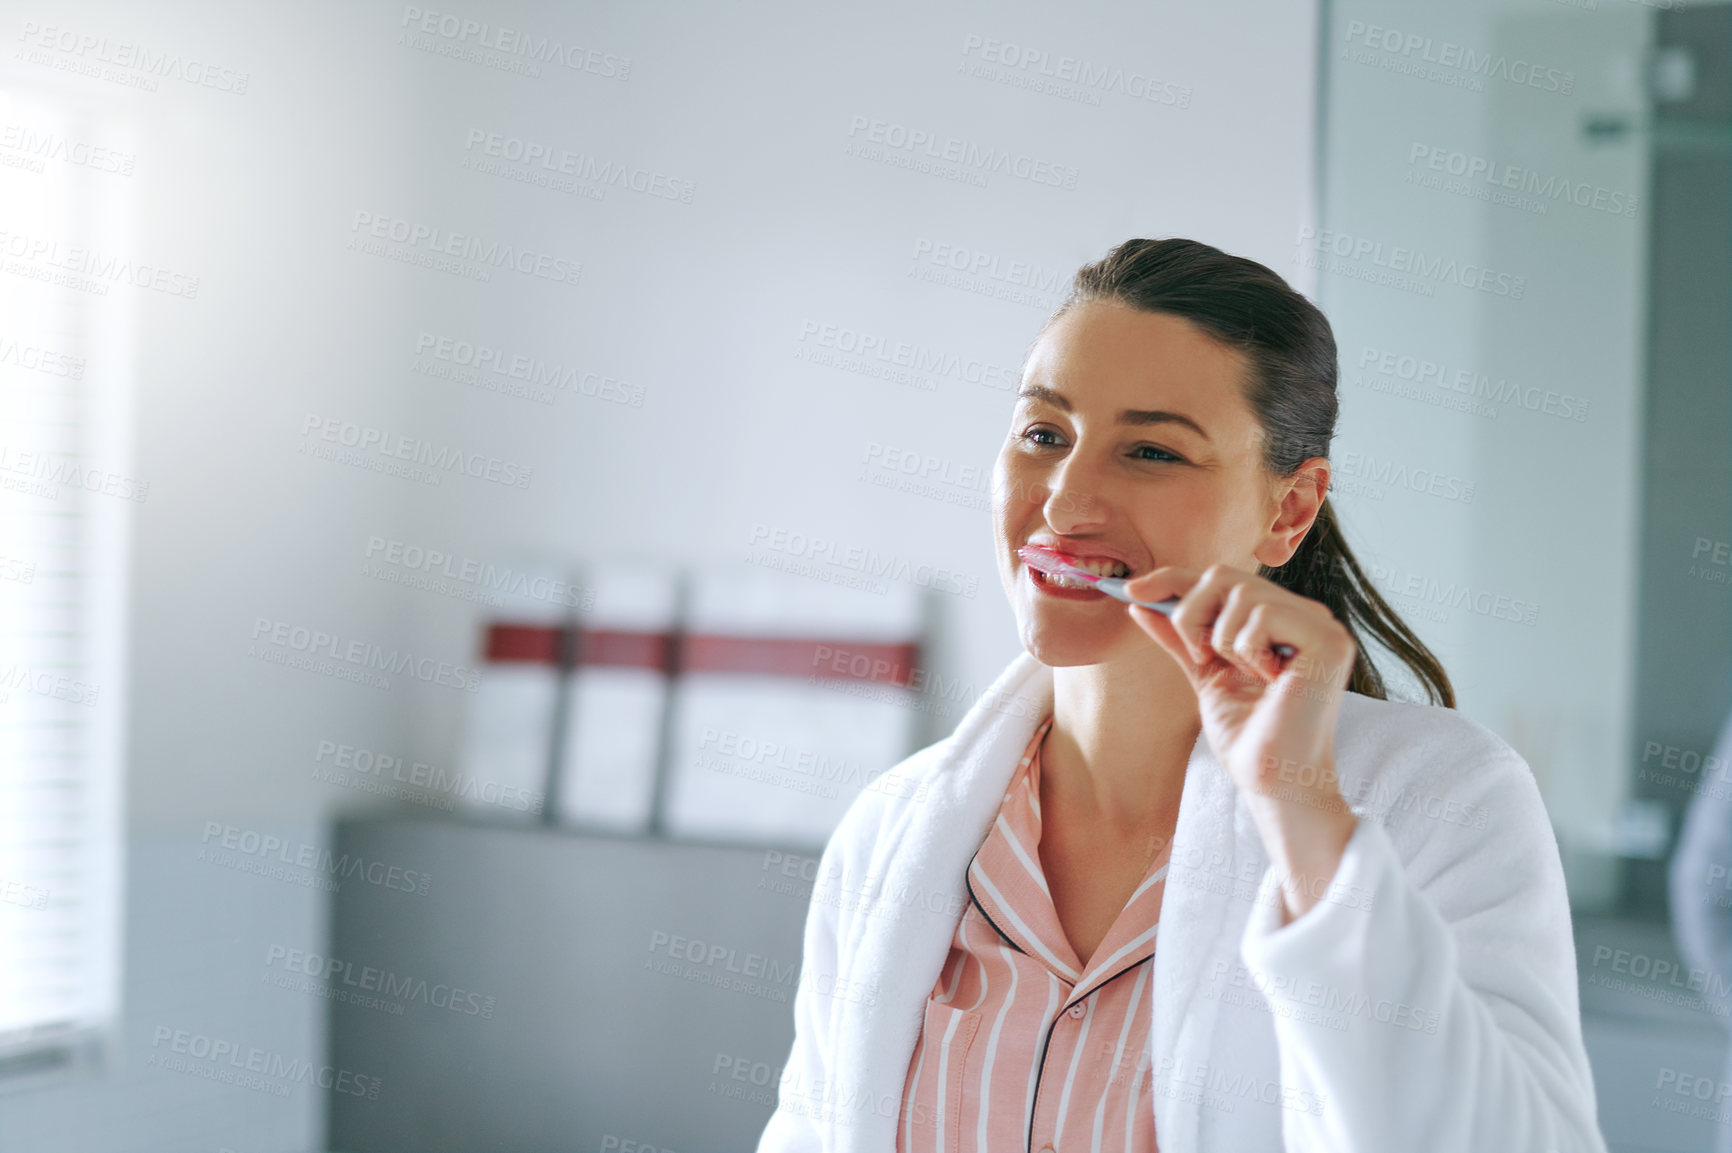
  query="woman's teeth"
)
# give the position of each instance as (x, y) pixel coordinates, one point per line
(1100, 568)
(1104, 568)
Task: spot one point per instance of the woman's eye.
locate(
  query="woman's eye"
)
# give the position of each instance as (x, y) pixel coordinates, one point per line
(1034, 434)
(1161, 453)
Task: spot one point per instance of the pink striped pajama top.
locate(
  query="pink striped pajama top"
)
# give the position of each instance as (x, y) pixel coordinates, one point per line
(1023, 1047)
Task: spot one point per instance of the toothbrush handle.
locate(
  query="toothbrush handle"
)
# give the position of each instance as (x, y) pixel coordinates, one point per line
(1115, 588)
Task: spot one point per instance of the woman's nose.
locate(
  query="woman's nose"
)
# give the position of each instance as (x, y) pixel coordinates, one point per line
(1074, 500)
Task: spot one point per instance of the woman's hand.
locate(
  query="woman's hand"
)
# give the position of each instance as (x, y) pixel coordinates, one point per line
(1270, 720)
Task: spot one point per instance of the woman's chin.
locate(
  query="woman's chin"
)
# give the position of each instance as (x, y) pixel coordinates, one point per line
(1064, 647)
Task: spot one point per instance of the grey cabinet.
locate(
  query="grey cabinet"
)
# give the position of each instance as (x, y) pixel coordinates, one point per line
(559, 991)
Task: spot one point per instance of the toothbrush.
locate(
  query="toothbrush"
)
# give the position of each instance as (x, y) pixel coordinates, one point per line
(1053, 563)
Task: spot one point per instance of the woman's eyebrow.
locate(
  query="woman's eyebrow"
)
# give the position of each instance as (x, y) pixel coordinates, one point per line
(1160, 416)
(1040, 392)
(1135, 416)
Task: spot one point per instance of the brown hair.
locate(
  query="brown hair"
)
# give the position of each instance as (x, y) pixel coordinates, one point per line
(1291, 391)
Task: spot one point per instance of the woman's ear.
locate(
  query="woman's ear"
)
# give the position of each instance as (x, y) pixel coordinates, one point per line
(1299, 500)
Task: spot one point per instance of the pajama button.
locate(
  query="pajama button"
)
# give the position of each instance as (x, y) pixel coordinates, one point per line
(1077, 1011)
(1046, 1149)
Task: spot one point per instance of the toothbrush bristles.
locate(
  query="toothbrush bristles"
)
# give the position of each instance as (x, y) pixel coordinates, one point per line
(1048, 562)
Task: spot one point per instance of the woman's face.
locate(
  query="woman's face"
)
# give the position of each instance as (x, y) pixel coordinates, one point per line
(1131, 442)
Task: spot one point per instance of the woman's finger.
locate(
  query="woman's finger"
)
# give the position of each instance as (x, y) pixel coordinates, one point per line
(1327, 649)
(1194, 618)
(1158, 584)
(1242, 597)
(1162, 582)
(1254, 639)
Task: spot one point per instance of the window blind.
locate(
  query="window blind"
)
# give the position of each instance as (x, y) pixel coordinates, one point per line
(67, 496)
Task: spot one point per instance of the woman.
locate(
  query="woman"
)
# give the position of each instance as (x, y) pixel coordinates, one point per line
(1164, 883)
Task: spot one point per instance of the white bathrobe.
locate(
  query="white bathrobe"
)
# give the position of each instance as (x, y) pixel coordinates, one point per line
(1427, 1005)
